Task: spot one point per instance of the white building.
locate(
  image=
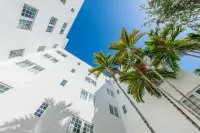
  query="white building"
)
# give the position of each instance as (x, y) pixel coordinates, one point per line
(45, 89)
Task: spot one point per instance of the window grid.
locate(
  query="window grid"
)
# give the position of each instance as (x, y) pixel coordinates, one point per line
(87, 96)
(113, 110)
(59, 52)
(118, 92)
(55, 46)
(72, 10)
(124, 109)
(41, 48)
(54, 60)
(63, 28)
(78, 125)
(63, 83)
(110, 92)
(63, 55)
(47, 56)
(24, 64)
(89, 80)
(63, 1)
(16, 53)
(4, 88)
(41, 109)
(36, 69)
(73, 70)
(194, 97)
(28, 15)
(51, 25)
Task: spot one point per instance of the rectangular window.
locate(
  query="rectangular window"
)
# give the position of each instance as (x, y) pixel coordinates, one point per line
(24, 64)
(4, 88)
(84, 94)
(59, 52)
(87, 79)
(93, 82)
(55, 46)
(91, 99)
(41, 110)
(51, 25)
(63, 55)
(36, 69)
(73, 70)
(54, 60)
(41, 48)
(63, 28)
(63, 1)
(16, 53)
(72, 10)
(124, 109)
(47, 56)
(110, 92)
(78, 125)
(195, 97)
(63, 83)
(27, 18)
(118, 92)
(113, 110)
(87, 96)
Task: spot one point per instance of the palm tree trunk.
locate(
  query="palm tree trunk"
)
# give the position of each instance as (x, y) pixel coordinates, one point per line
(196, 56)
(161, 91)
(135, 107)
(167, 81)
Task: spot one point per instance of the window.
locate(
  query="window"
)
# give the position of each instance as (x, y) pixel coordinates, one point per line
(195, 97)
(63, 55)
(27, 17)
(36, 69)
(63, 83)
(72, 10)
(79, 63)
(51, 25)
(118, 92)
(87, 96)
(79, 126)
(47, 56)
(54, 60)
(91, 99)
(4, 88)
(110, 92)
(84, 94)
(16, 53)
(93, 82)
(63, 28)
(73, 70)
(59, 52)
(25, 64)
(63, 1)
(55, 46)
(41, 48)
(87, 79)
(124, 109)
(113, 110)
(41, 110)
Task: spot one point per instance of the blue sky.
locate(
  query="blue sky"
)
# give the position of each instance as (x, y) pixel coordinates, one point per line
(99, 22)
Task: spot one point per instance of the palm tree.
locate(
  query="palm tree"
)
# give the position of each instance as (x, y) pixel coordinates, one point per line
(105, 64)
(197, 71)
(126, 51)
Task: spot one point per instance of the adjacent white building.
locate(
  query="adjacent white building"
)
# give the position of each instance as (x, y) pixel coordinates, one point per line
(45, 89)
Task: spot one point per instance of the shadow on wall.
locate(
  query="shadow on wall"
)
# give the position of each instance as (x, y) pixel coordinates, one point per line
(55, 119)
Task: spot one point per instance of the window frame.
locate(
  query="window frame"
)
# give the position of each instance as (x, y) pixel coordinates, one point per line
(51, 25)
(41, 48)
(113, 110)
(16, 53)
(21, 25)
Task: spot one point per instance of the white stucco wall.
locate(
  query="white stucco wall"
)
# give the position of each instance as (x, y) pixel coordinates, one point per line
(13, 38)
